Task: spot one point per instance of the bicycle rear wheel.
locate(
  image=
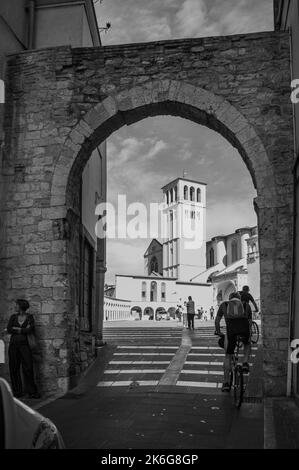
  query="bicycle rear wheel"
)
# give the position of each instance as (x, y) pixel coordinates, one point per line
(255, 332)
(238, 386)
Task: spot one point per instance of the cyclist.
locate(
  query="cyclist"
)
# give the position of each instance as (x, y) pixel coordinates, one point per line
(237, 318)
(246, 297)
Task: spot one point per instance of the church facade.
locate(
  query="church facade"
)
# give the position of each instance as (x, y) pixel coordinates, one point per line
(233, 261)
(183, 263)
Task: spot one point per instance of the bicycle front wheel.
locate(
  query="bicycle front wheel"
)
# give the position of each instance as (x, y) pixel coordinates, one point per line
(238, 386)
(255, 332)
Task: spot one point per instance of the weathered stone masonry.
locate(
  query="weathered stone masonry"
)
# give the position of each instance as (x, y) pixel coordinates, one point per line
(63, 102)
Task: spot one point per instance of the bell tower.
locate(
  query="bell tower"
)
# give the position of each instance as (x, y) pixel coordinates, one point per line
(184, 248)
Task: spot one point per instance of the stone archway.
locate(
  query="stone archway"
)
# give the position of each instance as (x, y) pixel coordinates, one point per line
(71, 100)
(165, 97)
(184, 100)
(187, 101)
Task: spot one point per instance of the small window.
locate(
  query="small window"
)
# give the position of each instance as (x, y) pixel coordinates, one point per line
(171, 195)
(153, 291)
(154, 265)
(212, 257)
(163, 292)
(234, 248)
(143, 291)
(186, 193)
(198, 198)
(192, 194)
(176, 193)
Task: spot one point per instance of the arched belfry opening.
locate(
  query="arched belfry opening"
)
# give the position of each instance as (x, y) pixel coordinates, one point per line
(86, 94)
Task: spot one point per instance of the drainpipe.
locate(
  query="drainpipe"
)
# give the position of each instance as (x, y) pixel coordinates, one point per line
(293, 286)
(31, 24)
(294, 251)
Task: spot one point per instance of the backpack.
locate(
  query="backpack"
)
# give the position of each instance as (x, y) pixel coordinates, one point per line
(235, 310)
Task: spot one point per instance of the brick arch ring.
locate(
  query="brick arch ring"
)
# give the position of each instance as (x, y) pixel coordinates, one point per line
(220, 115)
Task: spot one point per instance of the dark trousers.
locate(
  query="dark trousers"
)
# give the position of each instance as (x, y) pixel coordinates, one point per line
(190, 318)
(20, 355)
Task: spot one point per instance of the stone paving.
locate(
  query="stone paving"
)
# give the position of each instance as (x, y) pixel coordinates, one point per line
(187, 359)
(127, 406)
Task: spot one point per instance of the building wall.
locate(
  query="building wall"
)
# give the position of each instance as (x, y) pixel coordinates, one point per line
(71, 27)
(13, 38)
(130, 288)
(253, 279)
(220, 257)
(227, 282)
(56, 23)
(13, 26)
(222, 247)
(201, 294)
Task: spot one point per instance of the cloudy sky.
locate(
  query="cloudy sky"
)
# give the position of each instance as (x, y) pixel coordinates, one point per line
(144, 157)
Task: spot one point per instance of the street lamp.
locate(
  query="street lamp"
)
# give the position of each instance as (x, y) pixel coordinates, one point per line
(105, 28)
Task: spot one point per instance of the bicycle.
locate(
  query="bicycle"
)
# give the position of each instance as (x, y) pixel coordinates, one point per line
(255, 332)
(236, 377)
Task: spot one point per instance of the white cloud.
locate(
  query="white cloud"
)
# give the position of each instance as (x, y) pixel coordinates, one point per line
(238, 18)
(225, 217)
(192, 20)
(122, 151)
(134, 21)
(195, 19)
(141, 20)
(153, 27)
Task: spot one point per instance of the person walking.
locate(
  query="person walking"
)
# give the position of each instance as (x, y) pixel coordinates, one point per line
(212, 313)
(20, 326)
(190, 313)
(179, 313)
(201, 313)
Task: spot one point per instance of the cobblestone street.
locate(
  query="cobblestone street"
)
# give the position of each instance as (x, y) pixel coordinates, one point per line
(157, 387)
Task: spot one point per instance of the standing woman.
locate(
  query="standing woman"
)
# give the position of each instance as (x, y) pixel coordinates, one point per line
(20, 325)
